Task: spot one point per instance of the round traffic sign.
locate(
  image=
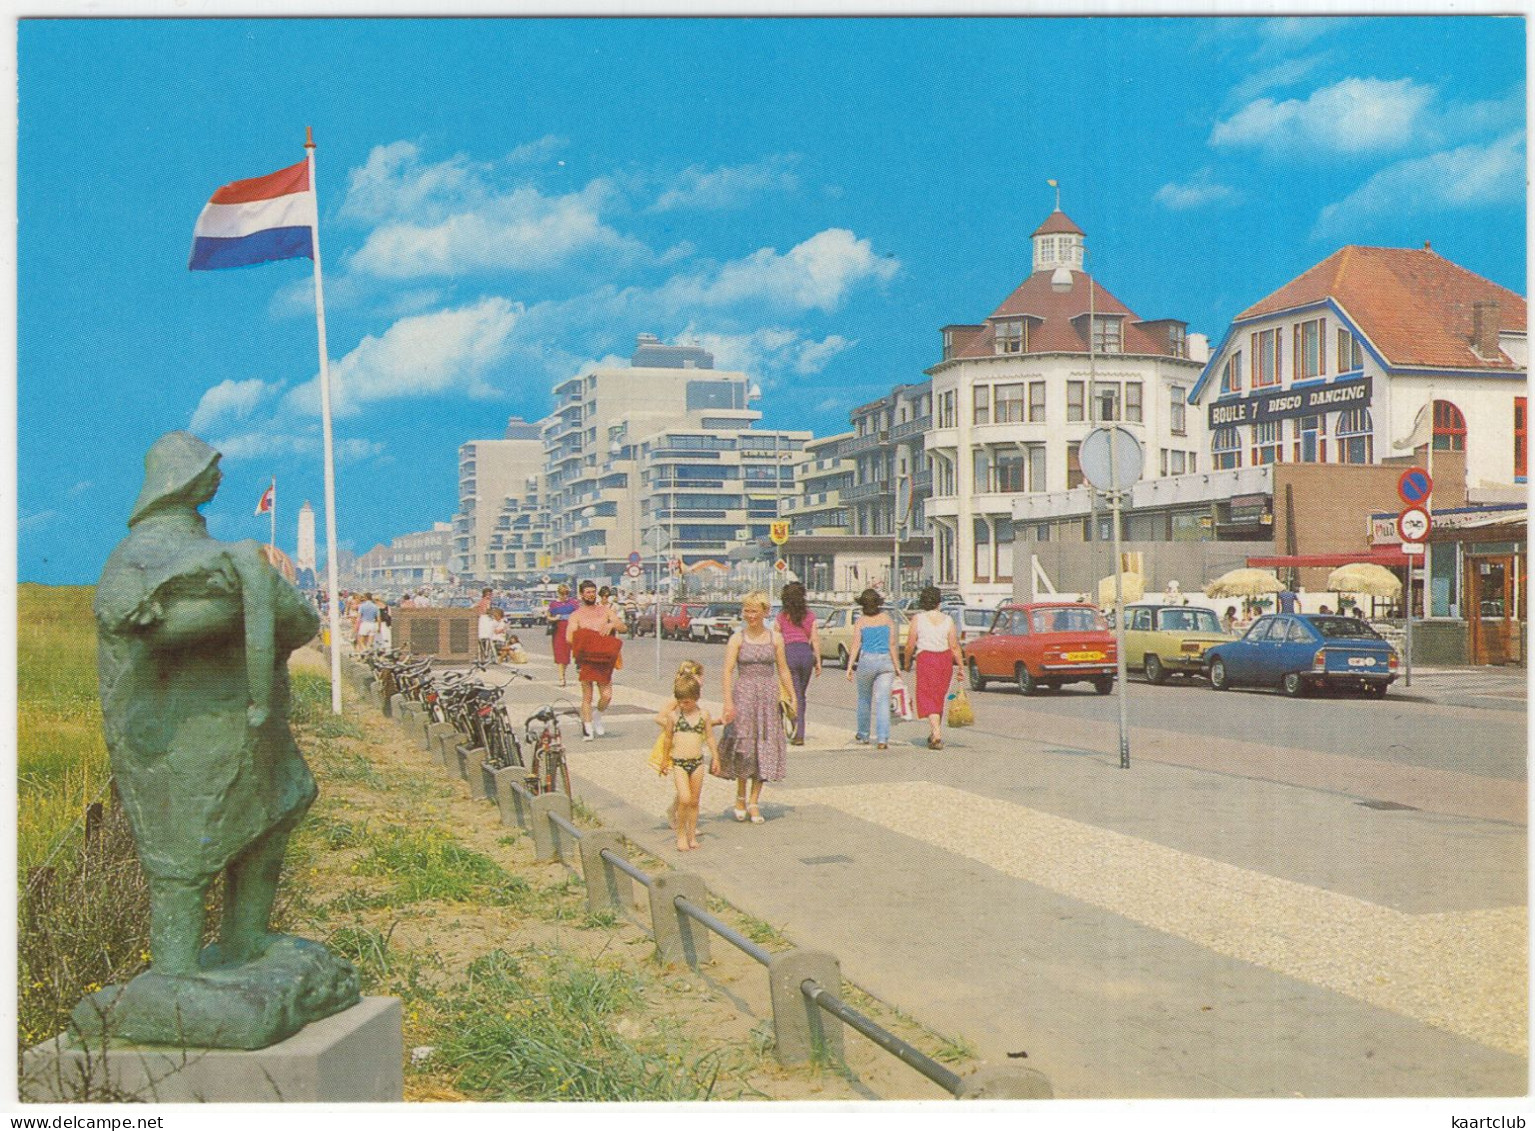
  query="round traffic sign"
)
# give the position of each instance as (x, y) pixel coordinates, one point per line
(634, 557)
(1414, 486)
(633, 570)
(1111, 459)
(1413, 524)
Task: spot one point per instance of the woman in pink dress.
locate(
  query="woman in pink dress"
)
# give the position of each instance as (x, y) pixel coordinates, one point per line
(756, 675)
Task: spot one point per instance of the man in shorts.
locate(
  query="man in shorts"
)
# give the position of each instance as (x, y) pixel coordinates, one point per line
(367, 622)
(592, 631)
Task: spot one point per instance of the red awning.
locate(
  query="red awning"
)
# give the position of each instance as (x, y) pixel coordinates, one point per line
(1388, 556)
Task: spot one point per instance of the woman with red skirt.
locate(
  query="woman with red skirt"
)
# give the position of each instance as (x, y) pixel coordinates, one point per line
(559, 612)
(935, 644)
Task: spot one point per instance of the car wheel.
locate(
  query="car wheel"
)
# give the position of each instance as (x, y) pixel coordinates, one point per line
(977, 680)
(842, 657)
(1026, 683)
(1376, 690)
(1104, 684)
(1155, 672)
(1294, 685)
(1218, 678)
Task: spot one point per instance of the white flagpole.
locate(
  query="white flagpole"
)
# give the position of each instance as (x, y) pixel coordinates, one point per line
(332, 586)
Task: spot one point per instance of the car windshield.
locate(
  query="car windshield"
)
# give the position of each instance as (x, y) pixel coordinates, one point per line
(1066, 620)
(1188, 620)
(1340, 628)
(723, 611)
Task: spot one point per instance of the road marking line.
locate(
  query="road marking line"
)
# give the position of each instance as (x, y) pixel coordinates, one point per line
(1462, 972)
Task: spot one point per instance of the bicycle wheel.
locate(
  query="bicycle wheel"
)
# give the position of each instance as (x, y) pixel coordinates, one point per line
(564, 775)
(536, 773)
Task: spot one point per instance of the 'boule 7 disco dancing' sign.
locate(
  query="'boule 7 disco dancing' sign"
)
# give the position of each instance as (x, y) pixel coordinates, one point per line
(1284, 403)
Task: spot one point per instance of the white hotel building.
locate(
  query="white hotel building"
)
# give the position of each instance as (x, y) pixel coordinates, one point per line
(1014, 396)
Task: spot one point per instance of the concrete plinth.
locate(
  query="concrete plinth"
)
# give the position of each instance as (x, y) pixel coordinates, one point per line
(356, 1056)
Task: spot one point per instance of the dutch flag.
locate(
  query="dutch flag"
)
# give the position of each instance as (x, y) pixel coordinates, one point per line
(257, 221)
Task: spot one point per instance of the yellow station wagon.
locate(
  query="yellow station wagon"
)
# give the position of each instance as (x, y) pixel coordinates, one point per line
(1161, 640)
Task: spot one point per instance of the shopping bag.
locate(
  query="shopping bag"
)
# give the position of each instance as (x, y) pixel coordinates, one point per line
(786, 708)
(900, 703)
(961, 714)
(661, 754)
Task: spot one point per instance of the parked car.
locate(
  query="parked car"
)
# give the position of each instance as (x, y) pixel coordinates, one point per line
(1303, 651)
(644, 622)
(970, 621)
(834, 627)
(519, 614)
(1163, 640)
(716, 622)
(1044, 644)
(675, 620)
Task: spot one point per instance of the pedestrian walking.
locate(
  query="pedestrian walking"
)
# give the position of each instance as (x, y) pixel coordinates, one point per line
(934, 644)
(874, 660)
(690, 739)
(756, 679)
(559, 612)
(367, 622)
(592, 631)
(802, 650)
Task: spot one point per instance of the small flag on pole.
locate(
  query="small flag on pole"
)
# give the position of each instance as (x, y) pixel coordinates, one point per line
(256, 221)
(268, 499)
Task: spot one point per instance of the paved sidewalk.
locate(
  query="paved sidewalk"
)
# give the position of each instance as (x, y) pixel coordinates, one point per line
(1230, 921)
(1501, 688)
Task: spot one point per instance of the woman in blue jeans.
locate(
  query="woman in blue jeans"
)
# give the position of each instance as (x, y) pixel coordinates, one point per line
(802, 649)
(874, 659)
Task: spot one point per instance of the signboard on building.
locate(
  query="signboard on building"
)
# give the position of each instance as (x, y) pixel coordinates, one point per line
(779, 532)
(1282, 404)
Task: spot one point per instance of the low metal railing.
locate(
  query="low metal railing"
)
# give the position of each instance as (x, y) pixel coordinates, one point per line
(913, 1058)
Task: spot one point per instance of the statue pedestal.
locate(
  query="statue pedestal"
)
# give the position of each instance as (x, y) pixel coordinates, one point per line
(355, 1056)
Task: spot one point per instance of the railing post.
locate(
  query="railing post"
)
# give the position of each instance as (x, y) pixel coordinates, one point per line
(802, 1031)
(1005, 1082)
(433, 736)
(548, 841)
(487, 777)
(679, 938)
(509, 803)
(396, 709)
(607, 889)
(470, 758)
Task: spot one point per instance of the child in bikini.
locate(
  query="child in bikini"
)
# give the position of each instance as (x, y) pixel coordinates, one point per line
(696, 670)
(692, 738)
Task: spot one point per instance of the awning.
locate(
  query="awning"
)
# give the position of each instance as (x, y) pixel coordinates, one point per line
(1380, 555)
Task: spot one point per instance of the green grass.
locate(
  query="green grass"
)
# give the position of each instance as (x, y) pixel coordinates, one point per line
(61, 758)
(428, 864)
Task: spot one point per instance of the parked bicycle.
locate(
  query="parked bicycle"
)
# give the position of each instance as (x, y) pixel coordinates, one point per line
(548, 770)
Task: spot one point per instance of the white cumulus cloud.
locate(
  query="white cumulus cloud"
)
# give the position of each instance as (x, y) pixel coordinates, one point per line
(768, 352)
(230, 401)
(1200, 190)
(1470, 176)
(728, 187)
(1354, 116)
(446, 351)
(814, 275)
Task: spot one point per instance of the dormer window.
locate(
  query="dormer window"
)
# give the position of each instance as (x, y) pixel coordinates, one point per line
(1108, 336)
(1011, 336)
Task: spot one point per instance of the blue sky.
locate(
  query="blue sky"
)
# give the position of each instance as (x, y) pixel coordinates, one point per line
(504, 202)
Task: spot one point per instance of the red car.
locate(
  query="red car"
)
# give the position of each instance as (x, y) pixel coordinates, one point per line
(675, 620)
(1044, 645)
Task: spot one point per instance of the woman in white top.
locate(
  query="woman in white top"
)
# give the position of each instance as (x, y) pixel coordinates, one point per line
(935, 644)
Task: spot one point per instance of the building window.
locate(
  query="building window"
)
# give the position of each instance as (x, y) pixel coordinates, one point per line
(1074, 476)
(1036, 402)
(1231, 374)
(1350, 352)
(1177, 411)
(1036, 460)
(1520, 446)
(982, 551)
(1133, 409)
(1011, 336)
(980, 467)
(982, 396)
(1010, 472)
(1266, 445)
(1106, 334)
(1106, 400)
(1010, 404)
(1449, 428)
(1265, 359)
(1178, 340)
(1309, 350)
(1178, 463)
(1076, 400)
(946, 410)
(1356, 437)
(1309, 447)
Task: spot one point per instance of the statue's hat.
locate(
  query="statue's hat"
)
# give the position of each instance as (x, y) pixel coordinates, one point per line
(172, 464)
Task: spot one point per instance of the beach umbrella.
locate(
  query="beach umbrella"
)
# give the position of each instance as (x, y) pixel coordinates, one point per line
(1134, 588)
(1244, 583)
(1365, 577)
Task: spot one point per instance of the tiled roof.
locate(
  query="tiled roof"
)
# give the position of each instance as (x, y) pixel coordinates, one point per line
(1415, 306)
(1053, 329)
(1056, 223)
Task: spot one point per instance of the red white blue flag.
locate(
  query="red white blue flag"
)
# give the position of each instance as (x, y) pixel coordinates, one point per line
(257, 221)
(268, 499)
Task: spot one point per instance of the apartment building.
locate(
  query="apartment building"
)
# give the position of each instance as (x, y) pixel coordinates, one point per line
(499, 485)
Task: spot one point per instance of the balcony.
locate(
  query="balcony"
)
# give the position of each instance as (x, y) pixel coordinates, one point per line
(879, 488)
(912, 427)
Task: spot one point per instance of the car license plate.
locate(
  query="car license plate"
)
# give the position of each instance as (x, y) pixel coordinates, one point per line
(1079, 657)
(1361, 661)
